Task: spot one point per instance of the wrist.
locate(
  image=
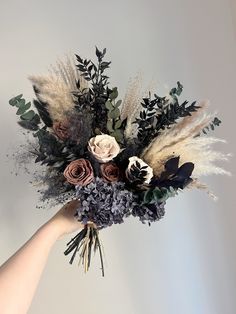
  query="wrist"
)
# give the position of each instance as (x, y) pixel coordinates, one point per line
(52, 229)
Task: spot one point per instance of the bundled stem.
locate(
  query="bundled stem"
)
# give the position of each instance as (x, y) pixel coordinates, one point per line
(85, 241)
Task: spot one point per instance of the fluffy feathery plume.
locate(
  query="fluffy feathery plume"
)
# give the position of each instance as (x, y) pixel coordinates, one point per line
(56, 89)
(66, 70)
(182, 140)
(132, 103)
(196, 184)
(55, 94)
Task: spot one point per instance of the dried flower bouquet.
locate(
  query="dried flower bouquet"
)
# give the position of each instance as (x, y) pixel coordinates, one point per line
(120, 159)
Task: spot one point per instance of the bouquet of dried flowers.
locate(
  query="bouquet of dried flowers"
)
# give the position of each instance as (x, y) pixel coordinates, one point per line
(120, 159)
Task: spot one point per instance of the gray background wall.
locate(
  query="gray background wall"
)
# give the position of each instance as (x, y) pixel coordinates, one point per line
(184, 264)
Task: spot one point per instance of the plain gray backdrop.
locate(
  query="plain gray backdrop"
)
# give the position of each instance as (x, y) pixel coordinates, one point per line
(184, 264)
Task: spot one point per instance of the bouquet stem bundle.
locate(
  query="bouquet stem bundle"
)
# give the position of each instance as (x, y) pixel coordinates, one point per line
(86, 241)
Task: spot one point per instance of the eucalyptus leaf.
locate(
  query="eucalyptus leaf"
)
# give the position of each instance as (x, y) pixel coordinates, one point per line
(118, 124)
(118, 103)
(114, 93)
(13, 101)
(114, 114)
(147, 197)
(20, 103)
(16, 100)
(110, 126)
(18, 97)
(158, 195)
(109, 105)
(28, 115)
(35, 119)
(22, 109)
(118, 135)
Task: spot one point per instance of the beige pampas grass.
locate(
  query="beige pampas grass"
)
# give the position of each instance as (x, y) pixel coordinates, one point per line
(132, 103)
(56, 89)
(182, 140)
(66, 70)
(196, 184)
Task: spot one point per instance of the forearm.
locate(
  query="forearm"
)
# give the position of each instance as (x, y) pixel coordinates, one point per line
(20, 274)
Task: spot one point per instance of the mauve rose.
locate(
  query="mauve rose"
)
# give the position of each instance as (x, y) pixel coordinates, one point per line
(103, 147)
(110, 172)
(79, 172)
(61, 129)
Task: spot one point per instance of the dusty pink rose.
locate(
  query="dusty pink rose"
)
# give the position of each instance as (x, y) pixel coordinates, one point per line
(79, 172)
(103, 147)
(110, 172)
(62, 129)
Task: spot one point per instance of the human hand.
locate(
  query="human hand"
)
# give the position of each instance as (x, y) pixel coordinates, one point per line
(64, 221)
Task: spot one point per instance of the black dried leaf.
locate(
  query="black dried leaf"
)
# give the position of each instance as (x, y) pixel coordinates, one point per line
(79, 59)
(28, 125)
(98, 53)
(184, 171)
(171, 166)
(43, 113)
(81, 68)
(40, 157)
(94, 98)
(213, 124)
(90, 68)
(78, 84)
(159, 113)
(174, 176)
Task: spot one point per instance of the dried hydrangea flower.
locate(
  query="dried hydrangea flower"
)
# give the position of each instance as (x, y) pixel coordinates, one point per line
(149, 212)
(104, 203)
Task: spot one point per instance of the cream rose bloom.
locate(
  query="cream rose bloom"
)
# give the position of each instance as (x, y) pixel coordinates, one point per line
(135, 169)
(103, 147)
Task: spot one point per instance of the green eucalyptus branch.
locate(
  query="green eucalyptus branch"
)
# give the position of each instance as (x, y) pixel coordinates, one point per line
(28, 118)
(115, 125)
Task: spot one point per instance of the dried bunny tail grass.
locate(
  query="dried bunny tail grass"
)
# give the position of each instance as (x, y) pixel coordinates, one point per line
(196, 184)
(132, 97)
(195, 149)
(56, 89)
(132, 102)
(55, 93)
(66, 70)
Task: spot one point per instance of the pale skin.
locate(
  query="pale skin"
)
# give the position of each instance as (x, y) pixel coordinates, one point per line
(20, 274)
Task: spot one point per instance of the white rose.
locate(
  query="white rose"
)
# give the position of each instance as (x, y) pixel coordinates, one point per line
(138, 170)
(103, 147)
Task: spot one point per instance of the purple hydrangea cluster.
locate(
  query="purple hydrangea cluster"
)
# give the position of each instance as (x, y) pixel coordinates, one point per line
(149, 212)
(104, 203)
(109, 203)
